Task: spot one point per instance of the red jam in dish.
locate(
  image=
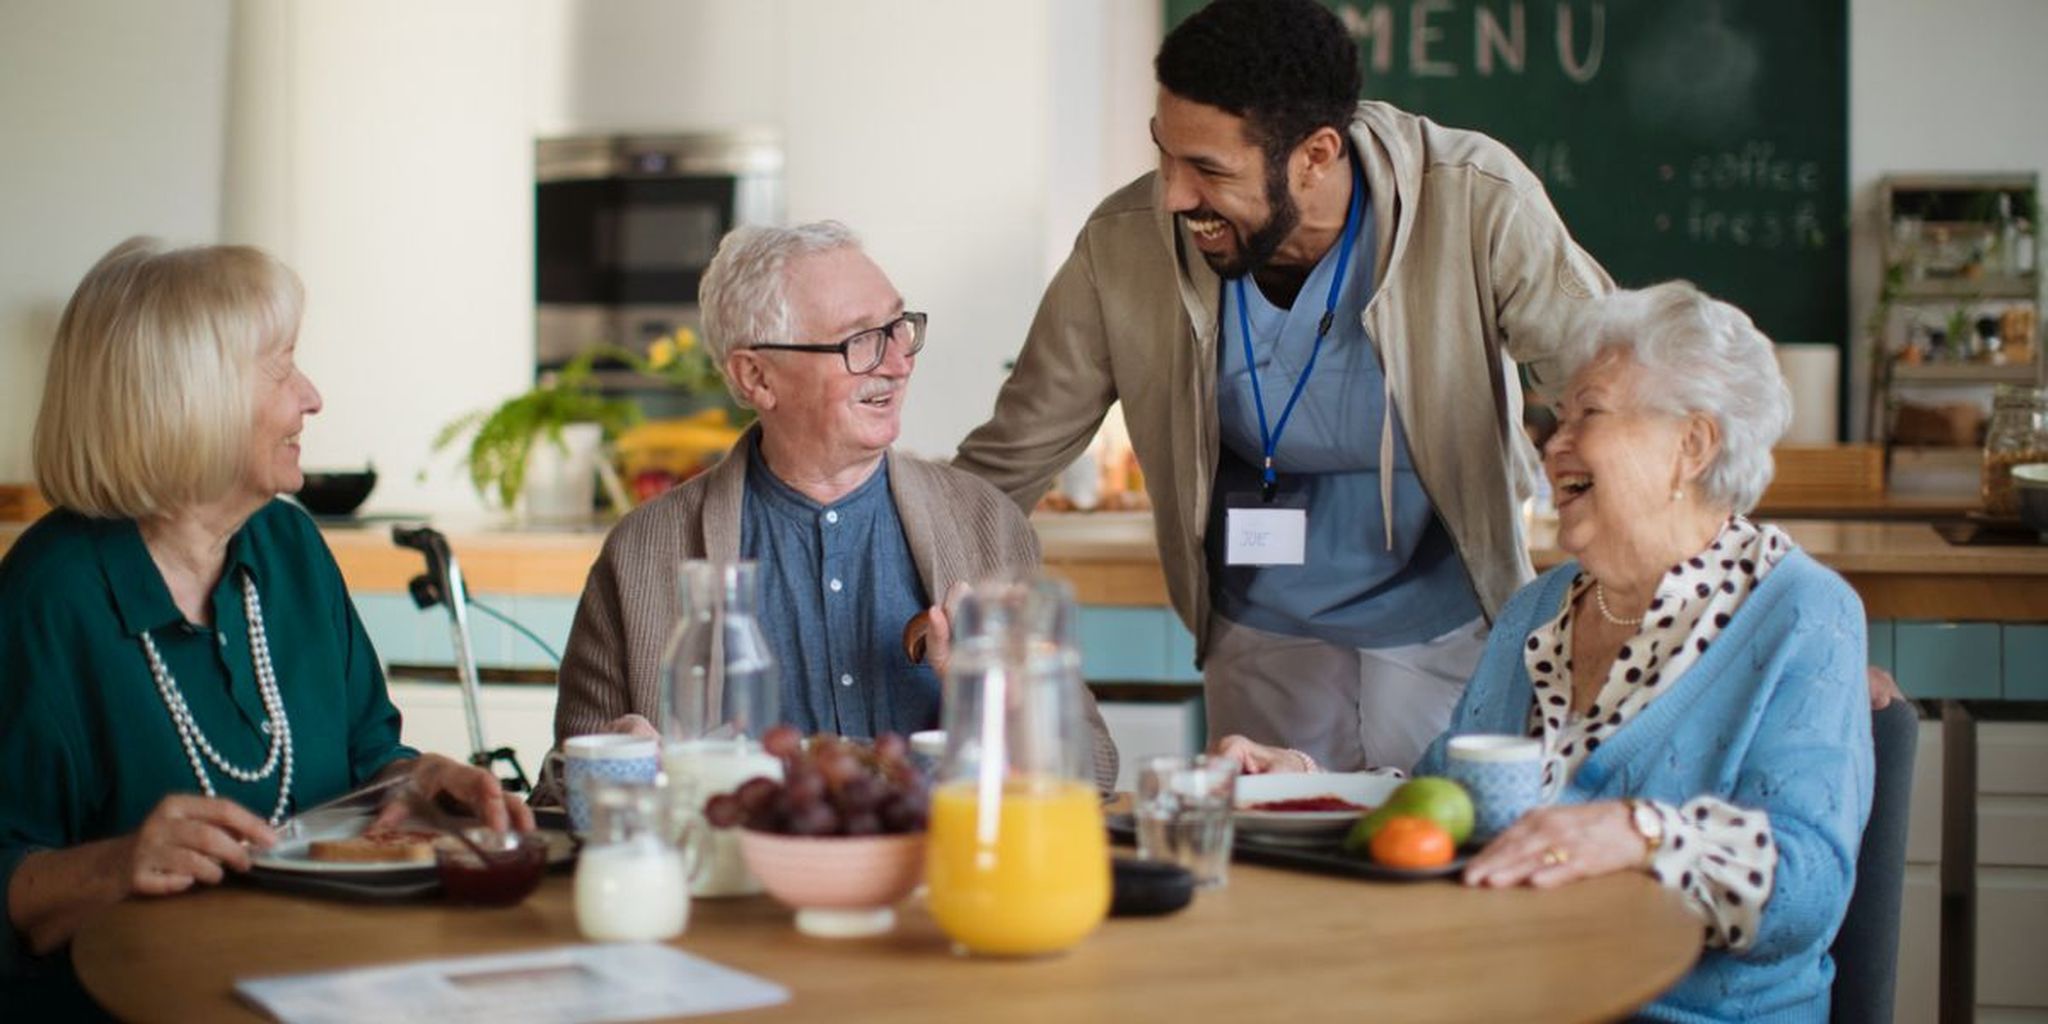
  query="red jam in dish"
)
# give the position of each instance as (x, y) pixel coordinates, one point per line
(509, 876)
(1325, 802)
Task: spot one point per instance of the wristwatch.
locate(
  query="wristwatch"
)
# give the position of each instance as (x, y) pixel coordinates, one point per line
(1643, 817)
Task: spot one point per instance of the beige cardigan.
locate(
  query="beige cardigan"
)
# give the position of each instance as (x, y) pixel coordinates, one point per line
(958, 529)
(1474, 273)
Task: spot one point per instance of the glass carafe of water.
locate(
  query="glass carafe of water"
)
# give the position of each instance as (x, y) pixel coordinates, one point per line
(722, 692)
(1017, 860)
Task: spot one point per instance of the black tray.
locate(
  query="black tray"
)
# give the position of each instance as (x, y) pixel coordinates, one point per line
(1326, 858)
(396, 887)
(1978, 528)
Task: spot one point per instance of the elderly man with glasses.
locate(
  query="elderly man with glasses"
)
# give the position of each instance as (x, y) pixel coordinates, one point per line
(855, 541)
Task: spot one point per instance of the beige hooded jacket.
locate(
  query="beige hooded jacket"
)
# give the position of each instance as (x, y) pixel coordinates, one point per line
(1474, 273)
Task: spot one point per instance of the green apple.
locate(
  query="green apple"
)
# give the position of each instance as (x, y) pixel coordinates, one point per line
(1431, 796)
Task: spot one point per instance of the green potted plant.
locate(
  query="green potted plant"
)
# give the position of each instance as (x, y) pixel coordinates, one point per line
(565, 411)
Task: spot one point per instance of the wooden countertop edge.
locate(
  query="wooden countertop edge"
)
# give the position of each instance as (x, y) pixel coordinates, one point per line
(1902, 570)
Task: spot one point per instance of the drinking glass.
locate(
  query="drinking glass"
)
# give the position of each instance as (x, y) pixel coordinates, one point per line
(1017, 859)
(1184, 813)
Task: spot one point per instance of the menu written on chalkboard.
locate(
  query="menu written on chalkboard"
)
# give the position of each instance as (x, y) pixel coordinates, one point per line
(1702, 139)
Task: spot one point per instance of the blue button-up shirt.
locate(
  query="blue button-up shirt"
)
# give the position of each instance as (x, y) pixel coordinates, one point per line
(837, 587)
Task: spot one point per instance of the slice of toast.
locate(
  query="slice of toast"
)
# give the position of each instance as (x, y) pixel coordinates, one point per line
(385, 846)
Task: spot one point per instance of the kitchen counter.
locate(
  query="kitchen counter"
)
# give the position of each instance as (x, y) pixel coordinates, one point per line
(1902, 570)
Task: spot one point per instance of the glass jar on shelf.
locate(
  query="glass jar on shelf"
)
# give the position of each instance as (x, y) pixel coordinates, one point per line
(2016, 435)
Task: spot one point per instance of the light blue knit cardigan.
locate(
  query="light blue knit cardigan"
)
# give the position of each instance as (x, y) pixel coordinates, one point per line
(1776, 716)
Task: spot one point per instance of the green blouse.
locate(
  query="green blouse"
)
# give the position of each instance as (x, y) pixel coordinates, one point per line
(87, 747)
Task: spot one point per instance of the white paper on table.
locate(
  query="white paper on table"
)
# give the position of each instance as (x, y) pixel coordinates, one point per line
(563, 985)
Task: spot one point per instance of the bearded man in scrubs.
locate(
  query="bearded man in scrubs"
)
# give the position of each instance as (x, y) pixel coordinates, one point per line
(1312, 313)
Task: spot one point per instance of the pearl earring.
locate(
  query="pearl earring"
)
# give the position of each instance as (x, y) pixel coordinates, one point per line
(1677, 494)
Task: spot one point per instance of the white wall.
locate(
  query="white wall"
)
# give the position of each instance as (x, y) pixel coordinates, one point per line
(112, 120)
(1950, 86)
(401, 188)
(656, 65)
(964, 139)
(398, 186)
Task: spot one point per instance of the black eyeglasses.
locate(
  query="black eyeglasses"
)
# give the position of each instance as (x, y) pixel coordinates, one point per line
(865, 351)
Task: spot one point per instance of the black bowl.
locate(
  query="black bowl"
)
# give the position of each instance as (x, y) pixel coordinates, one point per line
(1145, 888)
(336, 494)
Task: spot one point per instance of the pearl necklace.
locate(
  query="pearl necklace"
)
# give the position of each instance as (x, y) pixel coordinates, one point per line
(276, 724)
(1600, 599)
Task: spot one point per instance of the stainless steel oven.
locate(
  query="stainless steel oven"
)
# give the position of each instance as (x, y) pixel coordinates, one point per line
(624, 226)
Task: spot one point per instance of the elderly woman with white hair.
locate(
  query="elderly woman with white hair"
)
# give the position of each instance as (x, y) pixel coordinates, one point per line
(1696, 681)
(180, 665)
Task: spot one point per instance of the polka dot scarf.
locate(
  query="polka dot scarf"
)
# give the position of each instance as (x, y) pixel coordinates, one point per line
(1719, 856)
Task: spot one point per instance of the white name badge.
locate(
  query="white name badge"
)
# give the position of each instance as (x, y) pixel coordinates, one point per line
(1269, 535)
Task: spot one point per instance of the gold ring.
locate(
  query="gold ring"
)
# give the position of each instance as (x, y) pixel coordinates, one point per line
(1555, 856)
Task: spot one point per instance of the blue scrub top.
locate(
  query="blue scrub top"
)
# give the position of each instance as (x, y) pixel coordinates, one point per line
(1353, 590)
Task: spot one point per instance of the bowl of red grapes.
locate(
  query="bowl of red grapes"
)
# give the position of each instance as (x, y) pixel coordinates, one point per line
(841, 837)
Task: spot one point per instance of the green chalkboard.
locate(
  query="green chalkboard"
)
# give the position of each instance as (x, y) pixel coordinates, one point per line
(1703, 139)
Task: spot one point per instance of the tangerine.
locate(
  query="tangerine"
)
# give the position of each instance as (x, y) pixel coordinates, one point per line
(1412, 842)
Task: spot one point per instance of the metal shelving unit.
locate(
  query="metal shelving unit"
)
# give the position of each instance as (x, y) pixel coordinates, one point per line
(1959, 251)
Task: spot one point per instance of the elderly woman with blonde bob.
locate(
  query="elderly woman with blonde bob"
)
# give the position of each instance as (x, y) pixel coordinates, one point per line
(1696, 682)
(180, 665)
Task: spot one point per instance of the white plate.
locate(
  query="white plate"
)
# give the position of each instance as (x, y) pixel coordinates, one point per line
(290, 856)
(1357, 787)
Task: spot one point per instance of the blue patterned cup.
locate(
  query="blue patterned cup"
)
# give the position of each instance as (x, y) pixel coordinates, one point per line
(1503, 774)
(614, 757)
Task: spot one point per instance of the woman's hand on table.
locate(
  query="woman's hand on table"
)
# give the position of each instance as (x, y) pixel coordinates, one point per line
(187, 840)
(1259, 759)
(477, 790)
(1550, 846)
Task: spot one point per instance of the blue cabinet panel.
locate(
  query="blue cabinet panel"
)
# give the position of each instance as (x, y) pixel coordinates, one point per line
(1123, 644)
(393, 624)
(1881, 644)
(550, 618)
(1947, 659)
(1180, 653)
(2026, 663)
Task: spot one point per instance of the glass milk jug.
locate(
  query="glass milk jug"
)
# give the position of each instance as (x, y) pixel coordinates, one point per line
(633, 875)
(1017, 859)
(723, 691)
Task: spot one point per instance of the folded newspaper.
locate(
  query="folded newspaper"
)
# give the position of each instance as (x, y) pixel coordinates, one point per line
(561, 985)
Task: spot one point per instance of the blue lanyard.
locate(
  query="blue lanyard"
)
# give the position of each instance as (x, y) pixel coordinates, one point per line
(1270, 439)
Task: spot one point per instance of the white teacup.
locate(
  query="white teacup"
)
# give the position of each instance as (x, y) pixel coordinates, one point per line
(605, 755)
(1502, 773)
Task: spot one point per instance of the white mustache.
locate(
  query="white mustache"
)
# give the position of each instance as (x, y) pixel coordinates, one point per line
(876, 391)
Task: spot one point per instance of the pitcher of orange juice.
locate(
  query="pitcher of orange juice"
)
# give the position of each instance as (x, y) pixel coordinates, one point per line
(1017, 863)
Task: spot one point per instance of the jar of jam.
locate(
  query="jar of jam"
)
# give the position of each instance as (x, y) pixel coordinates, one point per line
(2016, 435)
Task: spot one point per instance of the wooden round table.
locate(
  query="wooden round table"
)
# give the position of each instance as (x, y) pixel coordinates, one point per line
(1273, 945)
